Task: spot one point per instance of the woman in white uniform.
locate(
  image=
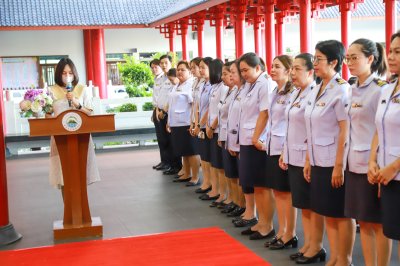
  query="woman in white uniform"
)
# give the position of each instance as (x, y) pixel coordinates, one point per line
(327, 127)
(277, 178)
(252, 123)
(384, 164)
(80, 100)
(294, 154)
(366, 61)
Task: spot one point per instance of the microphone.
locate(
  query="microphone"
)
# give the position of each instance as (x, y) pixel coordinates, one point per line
(69, 89)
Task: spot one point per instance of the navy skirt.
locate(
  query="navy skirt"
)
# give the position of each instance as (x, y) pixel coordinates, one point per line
(252, 167)
(390, 199)
(277, 178)
(326, 200)
(204, 147)
(361, 199)
(182, 142)
(300, 188)
(216, 153)
(231, 163)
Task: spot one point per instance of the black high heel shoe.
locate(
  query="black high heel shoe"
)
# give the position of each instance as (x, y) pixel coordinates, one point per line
(280, 245)
(320, 256)
(272, 241)
(296, 255)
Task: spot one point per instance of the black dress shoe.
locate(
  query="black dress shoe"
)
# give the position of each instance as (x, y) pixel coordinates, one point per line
(236, 212)
(245, 222)
(192, 184)
(207, 197)
(320, 256)
(181, 180)
(229, 207)
(214, 204)
(158, 165)
(236, 219)
(272, 241)
(171, 171)
(163, 167)
(221, 205)
(280, 245)
(248, 232)
(296, 255)
(257, 235)
(202, 191)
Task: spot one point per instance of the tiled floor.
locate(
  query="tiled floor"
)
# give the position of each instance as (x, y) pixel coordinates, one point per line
(132, 199)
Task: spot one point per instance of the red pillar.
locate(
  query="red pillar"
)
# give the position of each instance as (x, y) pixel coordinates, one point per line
(345, 28)
(269, 33)
(236, 39)
(171, 30)
(8, 234)
(257, 34)
(184, 29)
(390, 21)
(241, 31)
(305, 26)
(279, 33)
(219, 24)
(200, 37)
(99, 62)
(87, 42)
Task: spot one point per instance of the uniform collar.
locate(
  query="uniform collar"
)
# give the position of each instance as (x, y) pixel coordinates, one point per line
(366, 82)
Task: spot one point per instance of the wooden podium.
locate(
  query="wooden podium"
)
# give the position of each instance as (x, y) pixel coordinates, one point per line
(71, 130)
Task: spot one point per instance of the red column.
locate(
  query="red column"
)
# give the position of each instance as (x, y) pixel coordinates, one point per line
(219, 24)
(7, 232)
(200, 38)
(257, 34)
(390, 21)
(305, 26)
(184, 29)
(269, 33)
(345, 26)
(279, 33)
(241, 31)
(171, 37)
(87, 42)
(99, 62)
(236, 39)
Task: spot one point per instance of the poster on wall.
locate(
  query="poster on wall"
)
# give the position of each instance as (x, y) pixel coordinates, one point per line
(20, 73)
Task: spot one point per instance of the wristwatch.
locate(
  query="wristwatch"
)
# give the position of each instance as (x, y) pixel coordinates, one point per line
(79, 107)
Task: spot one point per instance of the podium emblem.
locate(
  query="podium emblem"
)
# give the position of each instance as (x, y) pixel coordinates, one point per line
(72, 121)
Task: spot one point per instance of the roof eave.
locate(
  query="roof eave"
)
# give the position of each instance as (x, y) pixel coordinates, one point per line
(76, 27)
(186, 12)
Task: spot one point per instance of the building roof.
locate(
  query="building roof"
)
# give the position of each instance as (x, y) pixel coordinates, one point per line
(370, 8)
(53, 13)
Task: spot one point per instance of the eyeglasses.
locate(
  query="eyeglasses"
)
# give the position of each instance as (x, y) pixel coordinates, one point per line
(350, 59)
(318, 59)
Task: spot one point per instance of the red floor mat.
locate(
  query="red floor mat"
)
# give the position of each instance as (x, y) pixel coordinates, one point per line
(209, 246)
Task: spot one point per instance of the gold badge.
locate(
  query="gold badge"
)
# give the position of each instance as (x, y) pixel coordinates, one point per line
(380, 82)
(320, 104)
(396, 100)
(341, 81)
(356, 105)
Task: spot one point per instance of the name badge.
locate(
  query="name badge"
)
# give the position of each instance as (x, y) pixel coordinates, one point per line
(178, 89)
(238, 99)
(320, 104)
(297, 105)
(356, 105)
(280, 101)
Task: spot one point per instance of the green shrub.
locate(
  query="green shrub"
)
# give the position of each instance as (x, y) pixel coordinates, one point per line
(128, 107)
(147, 106)
(136, 76)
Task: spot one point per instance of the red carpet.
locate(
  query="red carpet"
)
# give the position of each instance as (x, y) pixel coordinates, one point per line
(209, 246)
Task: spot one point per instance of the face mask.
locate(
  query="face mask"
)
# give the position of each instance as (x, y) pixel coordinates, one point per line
(67, 79)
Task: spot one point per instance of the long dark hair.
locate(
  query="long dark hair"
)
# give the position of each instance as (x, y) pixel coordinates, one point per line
(60, 69)
(215, 69)
(369, 48)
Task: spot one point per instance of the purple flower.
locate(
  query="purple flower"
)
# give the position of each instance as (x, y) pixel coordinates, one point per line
(31, 94)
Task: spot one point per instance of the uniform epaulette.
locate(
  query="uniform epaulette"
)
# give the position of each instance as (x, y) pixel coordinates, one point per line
(393, 79)
(380, 82)
(341, 81)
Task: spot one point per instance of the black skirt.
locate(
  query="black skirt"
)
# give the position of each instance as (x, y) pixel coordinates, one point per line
(361, 199)
(231, 164)
(390, 200)
(300, 188)
(216, 153)
(252, 167)
(277, 178)
(204, 147)
(182, 142)
(326, 200)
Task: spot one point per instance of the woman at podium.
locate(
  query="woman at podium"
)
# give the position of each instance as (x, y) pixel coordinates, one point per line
(68, 94)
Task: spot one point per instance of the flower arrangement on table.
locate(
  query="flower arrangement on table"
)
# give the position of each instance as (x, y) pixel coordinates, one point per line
(36, 103)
